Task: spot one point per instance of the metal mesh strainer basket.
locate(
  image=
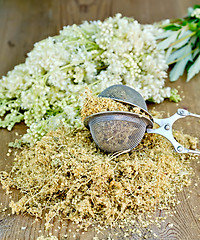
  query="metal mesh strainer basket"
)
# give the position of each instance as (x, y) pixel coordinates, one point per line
(117, 131)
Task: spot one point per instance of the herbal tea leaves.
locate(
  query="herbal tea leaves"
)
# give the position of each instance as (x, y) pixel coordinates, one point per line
(181, 41)
(64, 175)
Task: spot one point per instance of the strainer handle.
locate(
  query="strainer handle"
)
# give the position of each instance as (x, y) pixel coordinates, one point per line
(165, 130)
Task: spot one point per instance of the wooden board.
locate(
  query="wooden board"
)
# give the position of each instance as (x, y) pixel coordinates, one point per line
(23, 22)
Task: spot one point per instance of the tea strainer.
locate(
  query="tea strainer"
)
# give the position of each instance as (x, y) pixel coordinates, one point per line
(119, 131)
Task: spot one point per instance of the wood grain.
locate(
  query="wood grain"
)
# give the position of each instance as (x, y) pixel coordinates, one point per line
(22, 23)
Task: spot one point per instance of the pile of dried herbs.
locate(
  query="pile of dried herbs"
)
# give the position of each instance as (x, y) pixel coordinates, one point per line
(66, 176)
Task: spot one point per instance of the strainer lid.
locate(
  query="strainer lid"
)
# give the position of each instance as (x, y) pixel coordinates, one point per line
(125, 94)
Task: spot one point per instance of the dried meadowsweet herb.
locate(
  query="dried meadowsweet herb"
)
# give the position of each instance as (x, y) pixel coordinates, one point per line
(65, 175)
(95, 104)
(47, 238)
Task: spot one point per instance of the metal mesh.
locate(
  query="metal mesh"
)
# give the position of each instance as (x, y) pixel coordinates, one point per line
(125, 94)
(115, 133)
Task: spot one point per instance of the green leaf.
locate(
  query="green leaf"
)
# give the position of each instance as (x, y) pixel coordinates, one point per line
(164, 35)
(194, 40)
(180, 40)
(194, 69)
(198, 42)
(190, 11)
(183, 35)
(184, 23)
(177, 71)
(168, 52)
(173, 27)
(192, 26)
(195, 53)
(179, 68)
(196, 6)
(165, 43)
(186, 50)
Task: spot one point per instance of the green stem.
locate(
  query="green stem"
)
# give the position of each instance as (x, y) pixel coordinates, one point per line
(103, 67)
(180, 40)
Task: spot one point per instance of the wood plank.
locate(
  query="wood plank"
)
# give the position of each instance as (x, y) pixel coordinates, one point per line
(24, 22)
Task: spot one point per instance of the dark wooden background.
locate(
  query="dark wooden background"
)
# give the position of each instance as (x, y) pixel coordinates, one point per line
(24, 22)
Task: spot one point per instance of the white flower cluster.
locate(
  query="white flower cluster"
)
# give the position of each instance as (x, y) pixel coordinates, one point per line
(196, 13)
(46, 90)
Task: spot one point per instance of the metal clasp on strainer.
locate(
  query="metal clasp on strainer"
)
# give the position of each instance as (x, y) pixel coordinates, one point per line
(165, 129)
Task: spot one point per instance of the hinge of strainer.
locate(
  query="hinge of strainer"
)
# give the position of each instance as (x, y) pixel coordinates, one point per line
(165, 129)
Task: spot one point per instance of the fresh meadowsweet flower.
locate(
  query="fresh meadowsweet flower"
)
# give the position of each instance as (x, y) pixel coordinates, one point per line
(196, 13)
(47, 90)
